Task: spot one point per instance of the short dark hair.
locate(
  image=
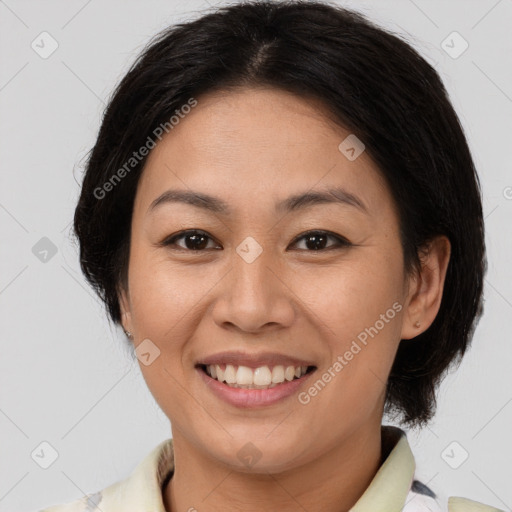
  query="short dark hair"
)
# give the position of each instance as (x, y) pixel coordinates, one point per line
(372, 83)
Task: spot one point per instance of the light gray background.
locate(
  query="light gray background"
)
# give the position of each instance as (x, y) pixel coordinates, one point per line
(66, 377)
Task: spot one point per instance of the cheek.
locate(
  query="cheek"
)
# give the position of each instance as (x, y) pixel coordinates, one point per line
(358, 310)
(162, 301)
(163, 293)
(352, 295)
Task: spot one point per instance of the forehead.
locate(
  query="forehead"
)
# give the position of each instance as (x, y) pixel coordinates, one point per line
(258, 145)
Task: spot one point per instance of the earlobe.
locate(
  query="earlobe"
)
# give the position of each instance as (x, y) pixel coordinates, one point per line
(426, 288)
(126, 318)
(126, 323)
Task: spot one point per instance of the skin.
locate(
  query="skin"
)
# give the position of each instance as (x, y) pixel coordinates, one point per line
(253, 147)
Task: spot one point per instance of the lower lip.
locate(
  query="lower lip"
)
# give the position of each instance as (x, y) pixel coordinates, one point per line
(248, 398)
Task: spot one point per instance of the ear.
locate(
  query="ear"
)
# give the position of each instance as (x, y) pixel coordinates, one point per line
(125, 306)
(426, 288)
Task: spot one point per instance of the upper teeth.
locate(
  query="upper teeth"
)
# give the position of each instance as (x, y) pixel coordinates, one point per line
(261, 376)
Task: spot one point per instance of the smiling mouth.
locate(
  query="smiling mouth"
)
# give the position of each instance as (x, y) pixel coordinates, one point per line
(263, 377)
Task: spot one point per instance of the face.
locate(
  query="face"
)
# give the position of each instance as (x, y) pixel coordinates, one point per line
(317, 281)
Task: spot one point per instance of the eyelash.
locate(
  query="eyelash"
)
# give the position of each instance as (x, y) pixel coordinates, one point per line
(341, 242)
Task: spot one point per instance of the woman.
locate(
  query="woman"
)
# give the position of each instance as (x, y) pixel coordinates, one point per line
(282, 211)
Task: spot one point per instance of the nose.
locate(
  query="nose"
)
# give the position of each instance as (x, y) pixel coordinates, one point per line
(255, 296)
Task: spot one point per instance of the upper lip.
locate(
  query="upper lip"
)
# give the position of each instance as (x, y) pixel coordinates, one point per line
(253, 360)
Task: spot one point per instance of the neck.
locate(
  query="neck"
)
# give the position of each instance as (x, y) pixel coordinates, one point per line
(331, 482)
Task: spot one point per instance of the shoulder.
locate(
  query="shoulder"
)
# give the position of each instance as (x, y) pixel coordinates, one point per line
(140, 490)
(423, 499)
(459, 504)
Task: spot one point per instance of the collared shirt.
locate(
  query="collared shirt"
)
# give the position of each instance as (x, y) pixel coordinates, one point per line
(394, 487)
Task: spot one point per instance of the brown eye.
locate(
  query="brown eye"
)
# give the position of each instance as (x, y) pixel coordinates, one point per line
(194, 240)
(317, 241)
(197, 240)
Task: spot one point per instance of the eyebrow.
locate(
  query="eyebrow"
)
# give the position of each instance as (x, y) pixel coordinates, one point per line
(330, 195)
